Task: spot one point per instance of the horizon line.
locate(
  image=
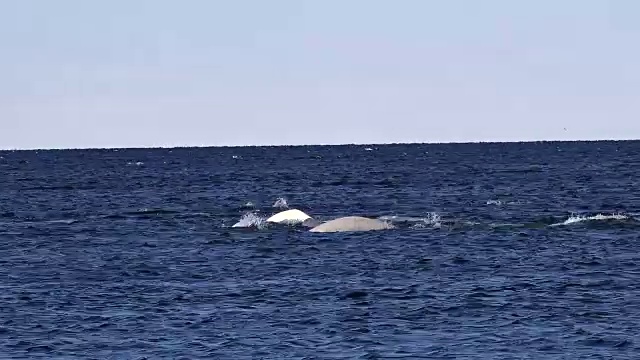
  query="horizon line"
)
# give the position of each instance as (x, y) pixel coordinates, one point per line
(204, 146)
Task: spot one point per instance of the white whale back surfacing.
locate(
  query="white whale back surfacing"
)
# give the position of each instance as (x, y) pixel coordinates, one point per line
(352, 223)
(292, 216)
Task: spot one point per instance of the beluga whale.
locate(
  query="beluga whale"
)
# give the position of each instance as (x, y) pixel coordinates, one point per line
(352, 224)
(292, 216)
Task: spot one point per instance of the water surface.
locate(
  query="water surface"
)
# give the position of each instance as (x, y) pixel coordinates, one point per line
(502, 251)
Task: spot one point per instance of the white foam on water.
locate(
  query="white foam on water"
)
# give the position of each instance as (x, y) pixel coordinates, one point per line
(431, 220)
(575, 219)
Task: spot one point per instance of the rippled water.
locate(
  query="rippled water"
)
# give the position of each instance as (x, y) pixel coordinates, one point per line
(502, 251)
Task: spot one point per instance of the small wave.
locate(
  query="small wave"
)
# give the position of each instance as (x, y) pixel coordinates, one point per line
(62, 221)
(433, 220)
(501, 202)
(39, 222)
(197, 214)
(251, 220)
(143, 213)
(575, 219)
(150, 212)
(153, 213)
(51, 188)
(281, 203)
(505, 225)
(248, 204)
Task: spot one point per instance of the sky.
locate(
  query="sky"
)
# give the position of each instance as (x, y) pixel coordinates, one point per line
(148, 73)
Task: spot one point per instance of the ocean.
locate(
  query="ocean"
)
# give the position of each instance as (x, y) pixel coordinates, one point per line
(500, 251)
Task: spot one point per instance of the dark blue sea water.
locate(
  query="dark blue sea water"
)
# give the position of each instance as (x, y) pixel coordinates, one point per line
(501, 251)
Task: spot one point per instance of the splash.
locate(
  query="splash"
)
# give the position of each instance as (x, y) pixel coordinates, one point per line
(281, 203)
(431, 220)
(575, 219)
(250, 220)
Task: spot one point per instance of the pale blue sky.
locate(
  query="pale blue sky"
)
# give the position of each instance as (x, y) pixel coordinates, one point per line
(164, 73)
